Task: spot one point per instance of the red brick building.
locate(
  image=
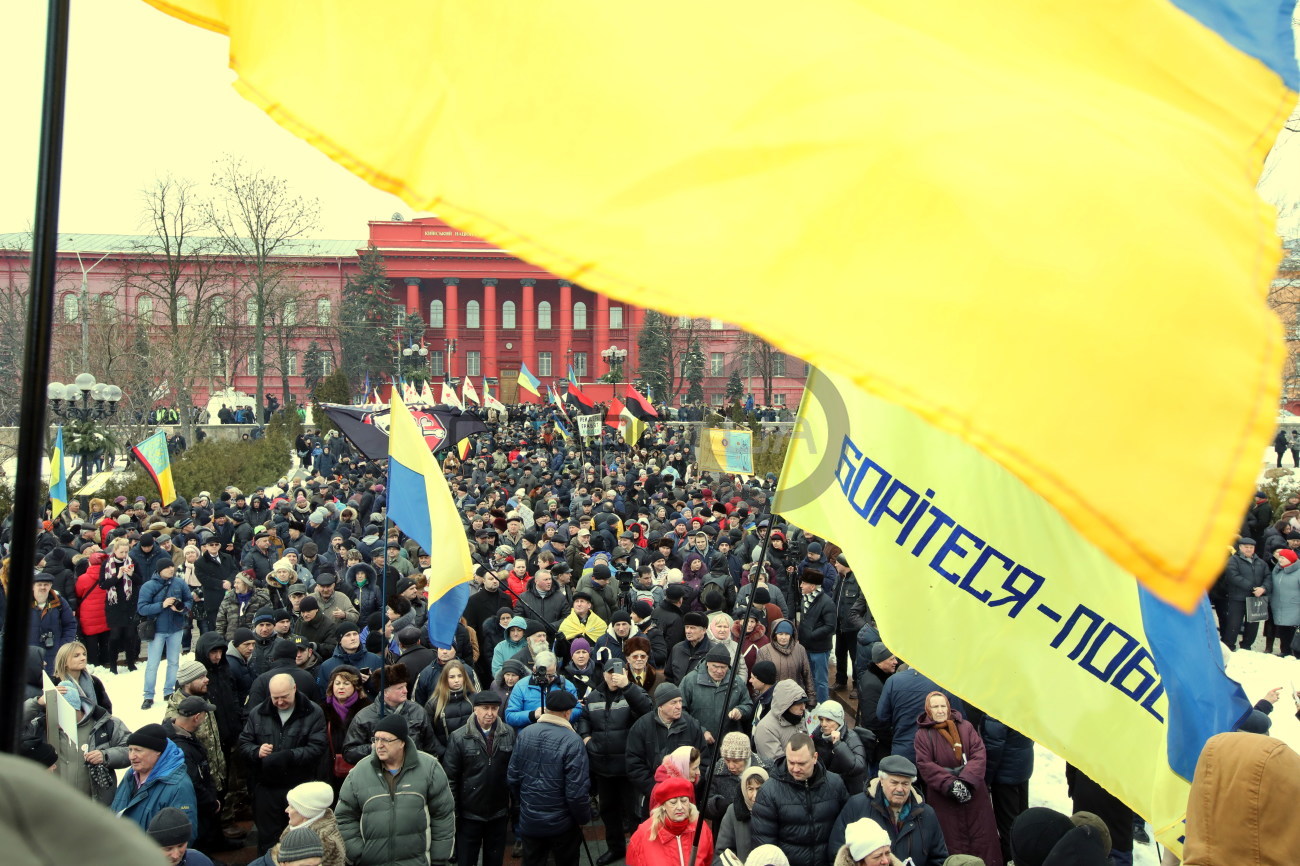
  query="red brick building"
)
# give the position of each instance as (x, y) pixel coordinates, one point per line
(487, 312)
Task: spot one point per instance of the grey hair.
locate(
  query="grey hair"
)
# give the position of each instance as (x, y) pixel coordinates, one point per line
(545, 657)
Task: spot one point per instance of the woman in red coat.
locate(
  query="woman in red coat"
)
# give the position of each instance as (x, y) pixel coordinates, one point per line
(92, 620)
(665, 838)
(950, 758)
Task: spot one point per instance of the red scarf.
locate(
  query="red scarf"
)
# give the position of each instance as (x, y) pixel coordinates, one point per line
(678, 828)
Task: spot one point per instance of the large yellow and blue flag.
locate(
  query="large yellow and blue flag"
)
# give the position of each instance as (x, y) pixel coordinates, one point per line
(1049, 215)
(529, 382)
(420, 503)
(157, 461)
(58, 477)
(978, 582)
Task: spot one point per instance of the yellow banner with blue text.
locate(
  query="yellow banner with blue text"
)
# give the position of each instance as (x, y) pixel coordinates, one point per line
(976, 581)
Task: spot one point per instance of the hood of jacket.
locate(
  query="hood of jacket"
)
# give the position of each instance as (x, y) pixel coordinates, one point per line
(207, 642)
(784, 694)
(171, 758)
(1239, 809)
(771, 637)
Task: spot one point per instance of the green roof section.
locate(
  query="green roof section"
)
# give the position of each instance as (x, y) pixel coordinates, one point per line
(104, 243)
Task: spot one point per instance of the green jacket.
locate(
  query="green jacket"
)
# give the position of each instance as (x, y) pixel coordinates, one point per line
(407, 819)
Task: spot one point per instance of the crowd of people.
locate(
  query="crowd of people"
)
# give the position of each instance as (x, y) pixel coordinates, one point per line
(644, 644)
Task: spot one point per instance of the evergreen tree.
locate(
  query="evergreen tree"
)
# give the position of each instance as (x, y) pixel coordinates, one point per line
(654, 355)
(735, 387)
(366, 323)
(693, 373)
(311, 366)
(332, 389)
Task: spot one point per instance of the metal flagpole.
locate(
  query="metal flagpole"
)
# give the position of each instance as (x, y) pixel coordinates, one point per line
(383, 589)
(36, 373)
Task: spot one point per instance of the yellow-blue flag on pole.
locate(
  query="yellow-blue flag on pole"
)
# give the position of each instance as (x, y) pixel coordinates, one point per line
(976, 581)
(1033, 225)
(420, 503)
(58, 477)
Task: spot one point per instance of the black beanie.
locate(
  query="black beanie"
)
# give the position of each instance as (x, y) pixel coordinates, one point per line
(243, 635)
(395, 724)
(1035, 833)
(170, 826)
(149, 737)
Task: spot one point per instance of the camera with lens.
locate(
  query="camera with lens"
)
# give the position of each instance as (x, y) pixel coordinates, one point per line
(541, 676)
(47, 639)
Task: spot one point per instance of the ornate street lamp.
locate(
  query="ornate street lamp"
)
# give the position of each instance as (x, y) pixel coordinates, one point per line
(84, 402)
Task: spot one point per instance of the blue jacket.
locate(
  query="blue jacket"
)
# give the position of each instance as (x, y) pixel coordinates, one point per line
(58, 619)
(362, 658)
(550, 777)
(152, 595)
(901, 701)
(1008, 754)
(526, 697)
(168, 785)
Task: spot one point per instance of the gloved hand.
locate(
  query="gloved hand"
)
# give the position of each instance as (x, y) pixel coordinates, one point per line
(960, 792)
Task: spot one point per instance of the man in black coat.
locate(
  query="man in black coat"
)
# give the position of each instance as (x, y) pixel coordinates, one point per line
(656, 734)
(668, 613)
(613, 705)
(476, 760)
(214, 571)
(1246, 576)
(817, 621)
(689, 654)
(280, 752)
(798, 804)
(871, 682)
(892, 803)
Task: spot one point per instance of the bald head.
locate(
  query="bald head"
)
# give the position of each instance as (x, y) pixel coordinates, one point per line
(284, 691)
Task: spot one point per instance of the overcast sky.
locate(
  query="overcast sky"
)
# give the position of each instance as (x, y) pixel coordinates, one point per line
(149, 95)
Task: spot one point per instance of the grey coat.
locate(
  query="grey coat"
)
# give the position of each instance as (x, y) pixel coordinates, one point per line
(1285, 599)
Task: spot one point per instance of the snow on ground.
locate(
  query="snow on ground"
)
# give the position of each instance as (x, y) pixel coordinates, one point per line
(1257, 673)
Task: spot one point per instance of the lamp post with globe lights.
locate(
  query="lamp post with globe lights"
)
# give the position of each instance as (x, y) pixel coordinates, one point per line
(614, 358)
(83, 402)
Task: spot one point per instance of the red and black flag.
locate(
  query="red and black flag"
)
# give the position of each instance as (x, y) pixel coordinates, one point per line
(638, 405)
(580, 402)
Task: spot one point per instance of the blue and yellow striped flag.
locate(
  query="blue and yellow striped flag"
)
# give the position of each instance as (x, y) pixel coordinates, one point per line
(896, 158)
(528, 381)
(420, 503)
(58, 477)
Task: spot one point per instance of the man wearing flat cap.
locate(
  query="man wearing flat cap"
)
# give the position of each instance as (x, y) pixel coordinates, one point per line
(891, 800)
(476, 761)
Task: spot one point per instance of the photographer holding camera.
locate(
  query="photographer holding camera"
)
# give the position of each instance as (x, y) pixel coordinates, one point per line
(52, 623)
(528, 699)
(164, 606)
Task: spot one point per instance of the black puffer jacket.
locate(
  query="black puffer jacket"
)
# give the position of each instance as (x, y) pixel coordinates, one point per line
(478, 776)
(454, 716)
(650, 739)
(299, 743)
(797, 816)
(223, 691)
(610, 715)
(849, 758)
(1008, 754)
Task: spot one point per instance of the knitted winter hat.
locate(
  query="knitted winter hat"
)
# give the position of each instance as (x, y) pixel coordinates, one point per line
(311, 799)
(300, 843)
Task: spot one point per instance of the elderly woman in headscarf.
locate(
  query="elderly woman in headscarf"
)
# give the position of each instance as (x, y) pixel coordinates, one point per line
(665, 838)
(951, 760)
(733, 832)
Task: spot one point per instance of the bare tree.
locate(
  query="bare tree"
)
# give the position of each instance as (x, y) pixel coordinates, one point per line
(260, 221)
(757, 357)
(178, 279)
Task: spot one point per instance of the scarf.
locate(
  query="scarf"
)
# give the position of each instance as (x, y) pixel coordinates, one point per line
(677, 828)
(342, 708)
(948, 730)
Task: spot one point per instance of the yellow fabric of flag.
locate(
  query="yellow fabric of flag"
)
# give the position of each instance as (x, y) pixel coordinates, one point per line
(1032, 225)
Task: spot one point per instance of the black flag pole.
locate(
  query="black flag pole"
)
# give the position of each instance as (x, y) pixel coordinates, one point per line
(36, 373)
(731, 684)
